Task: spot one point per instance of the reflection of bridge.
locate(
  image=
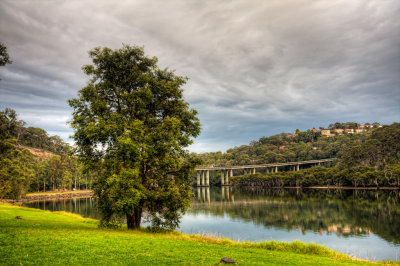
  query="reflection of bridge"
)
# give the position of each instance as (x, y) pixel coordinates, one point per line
(203, 173)
(203, 194)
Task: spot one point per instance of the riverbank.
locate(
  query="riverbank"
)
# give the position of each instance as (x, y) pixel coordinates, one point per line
(43, 237)
(53, 195)
(323, 187)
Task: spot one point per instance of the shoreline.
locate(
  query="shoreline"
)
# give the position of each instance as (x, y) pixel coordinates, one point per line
(347, 188)
(87, 193)
(52, 195)
(312, 187)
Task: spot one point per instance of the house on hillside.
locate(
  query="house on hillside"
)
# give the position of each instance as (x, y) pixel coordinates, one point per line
(326, 132)
(349, 131)
(338, 131)
(314, 130)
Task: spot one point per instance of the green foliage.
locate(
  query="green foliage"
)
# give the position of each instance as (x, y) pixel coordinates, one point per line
(357, 176)
(15, 170)
(350, 125)
(382, 147)
(4, 57)
(368, 159)
(131, 125)
(11, 127)
(21, 171)
(284, 147)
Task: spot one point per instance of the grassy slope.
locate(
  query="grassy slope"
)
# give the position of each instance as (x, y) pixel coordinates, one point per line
(45, 238)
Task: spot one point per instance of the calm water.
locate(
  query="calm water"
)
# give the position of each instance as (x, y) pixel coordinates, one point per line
(361, 223)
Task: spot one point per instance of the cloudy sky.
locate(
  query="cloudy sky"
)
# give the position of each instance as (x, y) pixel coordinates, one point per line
(256, 68)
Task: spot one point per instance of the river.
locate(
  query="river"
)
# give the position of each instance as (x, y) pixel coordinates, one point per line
(361, 223)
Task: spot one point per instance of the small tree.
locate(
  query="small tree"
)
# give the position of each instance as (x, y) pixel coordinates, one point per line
(4, 57)
(131, 125)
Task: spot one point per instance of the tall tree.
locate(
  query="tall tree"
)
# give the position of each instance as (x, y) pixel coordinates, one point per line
(131, 125)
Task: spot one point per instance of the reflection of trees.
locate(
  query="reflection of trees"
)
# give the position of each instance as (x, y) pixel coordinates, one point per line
(344, 212)
(87, 207)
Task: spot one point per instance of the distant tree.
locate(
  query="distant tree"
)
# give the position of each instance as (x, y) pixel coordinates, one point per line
(4, 57)
(10, 126)
(132, 124)
(376, 124)
(336, 125)
(352, 125)
(15, 165)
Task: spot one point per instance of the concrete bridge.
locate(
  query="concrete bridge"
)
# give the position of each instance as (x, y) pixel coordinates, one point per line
(203, 173)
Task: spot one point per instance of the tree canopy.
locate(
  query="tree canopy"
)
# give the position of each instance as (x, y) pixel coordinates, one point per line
(131, 125)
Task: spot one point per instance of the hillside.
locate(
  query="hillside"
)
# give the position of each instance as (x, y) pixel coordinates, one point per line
(37, 152)
(311, 144)
(33, 161)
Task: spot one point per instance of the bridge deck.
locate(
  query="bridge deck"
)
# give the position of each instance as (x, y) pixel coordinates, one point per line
(263, 165)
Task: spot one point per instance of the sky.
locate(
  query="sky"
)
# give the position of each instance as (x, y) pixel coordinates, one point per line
(255, 68)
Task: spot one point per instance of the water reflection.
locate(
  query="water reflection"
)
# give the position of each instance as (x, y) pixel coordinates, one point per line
(87, 207)
(203, 195)
(343, 212)
(363, 223)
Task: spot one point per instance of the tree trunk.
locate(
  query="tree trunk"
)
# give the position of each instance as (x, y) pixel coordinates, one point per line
(133, 220)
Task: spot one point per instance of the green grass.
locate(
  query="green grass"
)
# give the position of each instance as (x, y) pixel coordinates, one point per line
(45, 238)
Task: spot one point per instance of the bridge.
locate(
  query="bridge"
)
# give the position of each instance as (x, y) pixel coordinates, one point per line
(203, 173)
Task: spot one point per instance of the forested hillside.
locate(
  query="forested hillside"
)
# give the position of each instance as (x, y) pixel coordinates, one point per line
(31, 160)
(285, 147)
(368, 160)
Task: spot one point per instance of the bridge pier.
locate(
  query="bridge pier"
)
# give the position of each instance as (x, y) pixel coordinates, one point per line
(276, 169)
(198, 178)
(254, 171)
(222, 177)
(298, 167)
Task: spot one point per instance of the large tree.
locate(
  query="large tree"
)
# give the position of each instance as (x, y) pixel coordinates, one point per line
(132, 126)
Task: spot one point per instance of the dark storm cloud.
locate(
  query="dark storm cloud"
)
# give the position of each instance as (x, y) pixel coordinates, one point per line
(256, 68)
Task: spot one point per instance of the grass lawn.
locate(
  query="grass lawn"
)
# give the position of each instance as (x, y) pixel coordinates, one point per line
(46, 238)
